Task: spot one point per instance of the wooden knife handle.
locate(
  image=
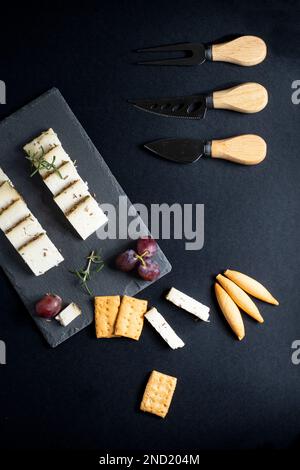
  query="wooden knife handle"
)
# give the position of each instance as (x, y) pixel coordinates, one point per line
(245, 50)
(248, 149)
(245, 98)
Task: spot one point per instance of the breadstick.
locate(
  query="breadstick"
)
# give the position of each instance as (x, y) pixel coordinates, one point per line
(251, 286)
(230, 311)
(240, 298)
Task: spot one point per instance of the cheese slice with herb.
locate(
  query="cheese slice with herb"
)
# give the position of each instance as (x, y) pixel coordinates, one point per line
(63, 177)
(66, 316)
(163, 328)
(13, 214)
(188, 303)
(70, 192)
(42, 144)
(86, 217)
(24, 231)
(40, 254)
(55, 157)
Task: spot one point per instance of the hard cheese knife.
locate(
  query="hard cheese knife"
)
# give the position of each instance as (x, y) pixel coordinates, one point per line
(245, 50)
(245, 98)
(248, 149)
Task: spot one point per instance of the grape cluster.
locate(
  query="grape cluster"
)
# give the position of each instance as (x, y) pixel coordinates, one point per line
(141, 258)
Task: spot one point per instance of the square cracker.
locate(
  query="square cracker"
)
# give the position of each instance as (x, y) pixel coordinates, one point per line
(106, 312)
(130, 320)
(158, 394)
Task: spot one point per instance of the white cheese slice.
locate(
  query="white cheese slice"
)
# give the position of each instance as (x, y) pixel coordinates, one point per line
(58, 180)
(66, 316)
(8, 194)
(188, 303)
(24, 231)
(42, 144)
(13, 214)
(70, 192)
(164, 329)
(57, 156)
(40, 255)
(71, 195)
(87, 217)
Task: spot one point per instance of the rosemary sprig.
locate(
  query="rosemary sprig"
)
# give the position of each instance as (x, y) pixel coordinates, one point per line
(85, 274)
(39, 163)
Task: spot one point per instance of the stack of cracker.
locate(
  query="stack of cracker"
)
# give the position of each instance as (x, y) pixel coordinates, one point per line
(116, 316)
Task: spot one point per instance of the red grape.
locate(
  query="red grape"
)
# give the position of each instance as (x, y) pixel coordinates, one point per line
(49, 306)
(126, 261)
(149, 270)
(146, 246)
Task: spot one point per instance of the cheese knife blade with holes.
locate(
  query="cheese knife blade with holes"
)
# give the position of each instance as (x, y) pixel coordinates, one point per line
(248, 149)
(245, 98)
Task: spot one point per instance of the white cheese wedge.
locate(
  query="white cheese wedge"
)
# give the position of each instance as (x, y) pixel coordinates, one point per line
(13, 214)
(164, 329)
(58, 180)
(8, 194)
(66, 316)
(40, 255)
(42, 144)
(24, 231)
(188, 303)
(71, 195)
(87, 217)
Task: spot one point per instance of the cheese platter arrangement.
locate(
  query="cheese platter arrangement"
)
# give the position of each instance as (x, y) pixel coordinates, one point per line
(54, 251)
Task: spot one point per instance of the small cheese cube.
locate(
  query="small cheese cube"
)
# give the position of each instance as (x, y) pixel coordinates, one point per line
(14, 213)
(66, 316)
(86, 217)
(58, 180)
(42, 144)
(71, 195)
(8, 194)
(24, 231)
(188, 303)
(40, 255)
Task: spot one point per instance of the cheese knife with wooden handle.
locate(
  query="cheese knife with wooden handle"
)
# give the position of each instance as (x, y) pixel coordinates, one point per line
(248, 149)
(246, 98)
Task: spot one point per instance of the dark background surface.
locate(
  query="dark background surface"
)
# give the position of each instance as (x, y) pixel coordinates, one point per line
(86, 393)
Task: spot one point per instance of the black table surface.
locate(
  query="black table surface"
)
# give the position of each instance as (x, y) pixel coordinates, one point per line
(230, 394)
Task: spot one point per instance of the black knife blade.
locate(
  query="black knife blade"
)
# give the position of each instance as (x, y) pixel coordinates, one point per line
(180, 150)
(188, 107)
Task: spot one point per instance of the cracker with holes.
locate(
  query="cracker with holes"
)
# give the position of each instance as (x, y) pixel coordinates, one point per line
(106, 312)
(130, 320)
(158, 394)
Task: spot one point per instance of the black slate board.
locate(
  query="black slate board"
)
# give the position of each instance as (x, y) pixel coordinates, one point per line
(51, 110)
